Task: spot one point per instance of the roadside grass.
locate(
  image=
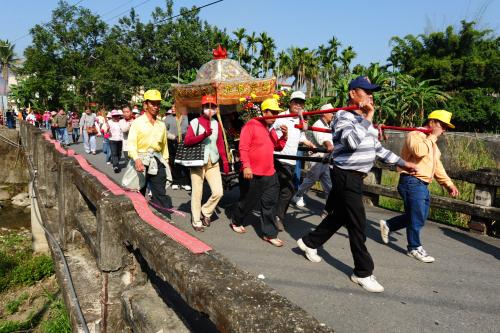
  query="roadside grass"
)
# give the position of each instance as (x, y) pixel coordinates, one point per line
(30, 299)
(13, 305)
(18, 265)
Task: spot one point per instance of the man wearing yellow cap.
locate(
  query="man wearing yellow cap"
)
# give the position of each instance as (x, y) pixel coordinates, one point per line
(147, 147)
(422, 150)
(259, 184)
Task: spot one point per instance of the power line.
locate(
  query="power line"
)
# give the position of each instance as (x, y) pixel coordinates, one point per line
(117, 7)
(75, 4)
(189, 11)
(140, 4)
(126, 11)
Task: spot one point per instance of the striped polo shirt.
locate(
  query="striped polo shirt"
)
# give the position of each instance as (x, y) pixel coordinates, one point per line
(356, 144)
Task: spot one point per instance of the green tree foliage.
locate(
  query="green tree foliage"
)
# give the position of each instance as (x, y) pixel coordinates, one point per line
(59, 63)
(467, 60)
(76, 58)
(8, 62)
(465, 64)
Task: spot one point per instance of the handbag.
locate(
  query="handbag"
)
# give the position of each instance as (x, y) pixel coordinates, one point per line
(91, 130)
(132, 179)
(192, 156)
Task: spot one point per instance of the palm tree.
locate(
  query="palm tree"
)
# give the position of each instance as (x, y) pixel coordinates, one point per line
(409, 98)
(222, 38)
(266, 51)
(333, 46)
(311, 71)
(8, 60)
(284, 66)
(240, 35)
(256, 66)
(252, 45)
(297, 65)
(346, 58)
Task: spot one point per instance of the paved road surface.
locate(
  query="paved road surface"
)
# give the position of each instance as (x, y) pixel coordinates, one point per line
(460, 292)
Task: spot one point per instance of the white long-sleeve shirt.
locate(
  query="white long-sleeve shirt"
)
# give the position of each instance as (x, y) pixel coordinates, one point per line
(295, 136)
(125, 126)
(320, 137)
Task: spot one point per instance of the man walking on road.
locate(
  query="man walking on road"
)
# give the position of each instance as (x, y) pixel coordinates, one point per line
(422, 150)
(356, 147)
(128, 118)
(318, 170)
(177, 123)
(286, 168)
(89, 129)
(147, 147)
(259, 185)
(61, 124)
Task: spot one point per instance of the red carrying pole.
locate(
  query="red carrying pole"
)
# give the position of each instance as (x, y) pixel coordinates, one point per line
(314, 129)
(404, 129)
(345, 108)
(382, 127)
(310, 113)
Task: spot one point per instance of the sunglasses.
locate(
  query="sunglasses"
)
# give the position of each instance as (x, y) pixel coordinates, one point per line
(210, 106)
(273, 112)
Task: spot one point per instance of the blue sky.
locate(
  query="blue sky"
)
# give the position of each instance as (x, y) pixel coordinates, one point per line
(366, 25)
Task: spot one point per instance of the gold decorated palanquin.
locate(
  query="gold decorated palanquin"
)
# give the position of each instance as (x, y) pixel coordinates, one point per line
(224, 78)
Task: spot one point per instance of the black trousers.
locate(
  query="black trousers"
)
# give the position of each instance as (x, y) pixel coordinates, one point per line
(348, 211)
(116, 151)
(259, 192)
(287, 189)
(156, 184)
(180, 173)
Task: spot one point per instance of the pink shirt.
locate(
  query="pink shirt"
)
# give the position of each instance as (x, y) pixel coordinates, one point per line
(115, 131)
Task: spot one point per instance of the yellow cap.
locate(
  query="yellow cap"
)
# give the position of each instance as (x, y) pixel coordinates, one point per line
(270, 104)
(152, 95)
(443, 116)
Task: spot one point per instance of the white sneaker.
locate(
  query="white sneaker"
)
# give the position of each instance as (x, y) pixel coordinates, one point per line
(384, 231)
(175, 187)
(311, 254)
(369, 283)
(299, 201)
(186, 187)
(420, 254)
(108, 163)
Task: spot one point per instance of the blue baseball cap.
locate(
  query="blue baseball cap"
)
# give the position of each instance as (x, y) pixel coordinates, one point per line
(364, 83)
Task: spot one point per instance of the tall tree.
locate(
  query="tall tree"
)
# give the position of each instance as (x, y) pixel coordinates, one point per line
(347, 55)
(240, 35)
(267, 51)
(8, 61)
(252, 41)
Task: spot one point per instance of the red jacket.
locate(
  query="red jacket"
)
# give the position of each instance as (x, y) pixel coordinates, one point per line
(192, 139)
(257, 145)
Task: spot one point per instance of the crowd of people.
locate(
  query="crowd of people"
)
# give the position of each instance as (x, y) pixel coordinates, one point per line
(154, 149)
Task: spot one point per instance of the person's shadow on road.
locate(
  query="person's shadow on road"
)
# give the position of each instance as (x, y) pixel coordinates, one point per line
(297, 227)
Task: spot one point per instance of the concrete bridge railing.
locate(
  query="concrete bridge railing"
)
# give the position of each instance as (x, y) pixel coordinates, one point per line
(80, 210)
